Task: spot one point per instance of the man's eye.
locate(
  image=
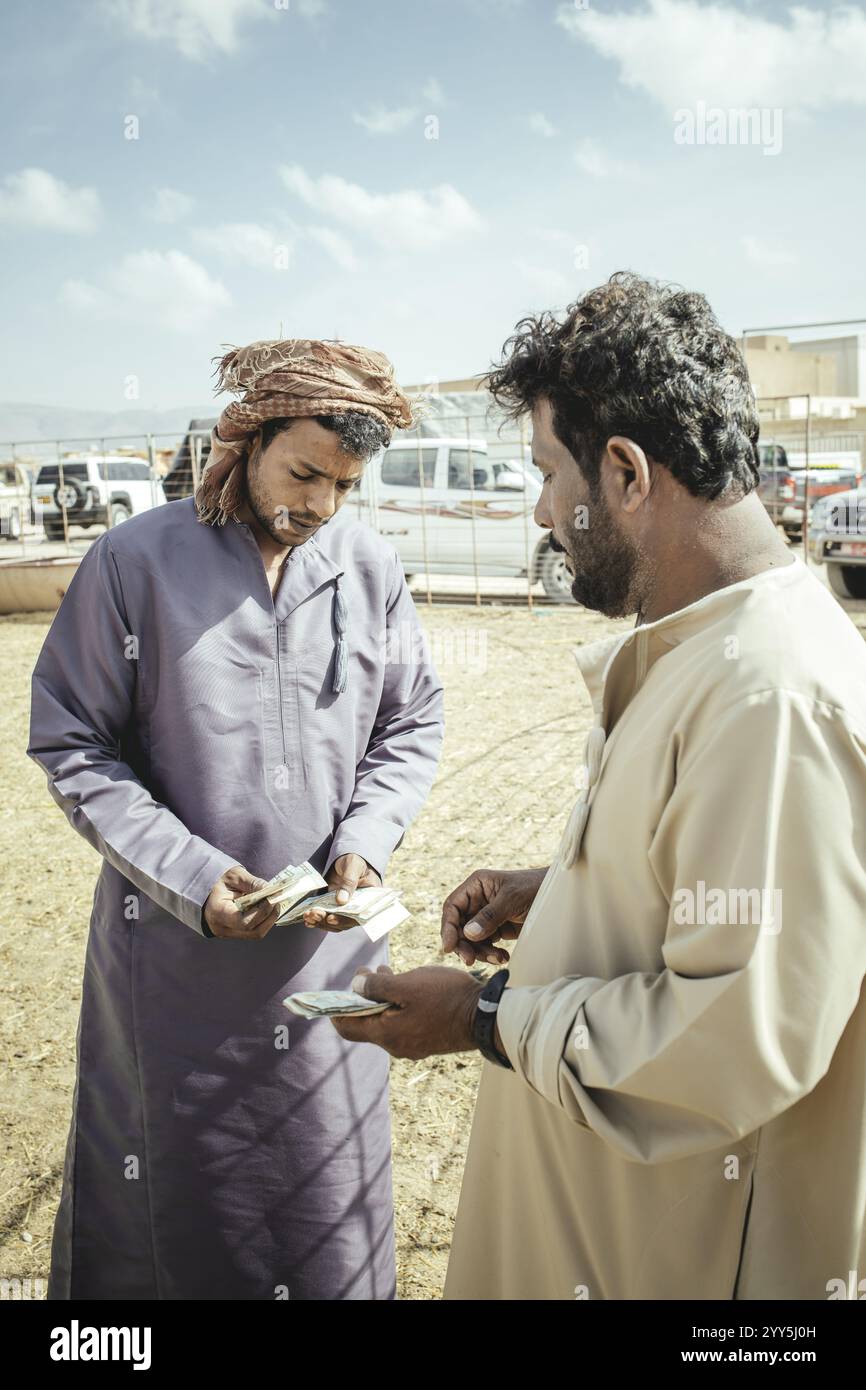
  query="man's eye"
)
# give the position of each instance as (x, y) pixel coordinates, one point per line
(304, 477)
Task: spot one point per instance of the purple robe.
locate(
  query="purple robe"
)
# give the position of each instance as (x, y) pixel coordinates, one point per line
(187, 721)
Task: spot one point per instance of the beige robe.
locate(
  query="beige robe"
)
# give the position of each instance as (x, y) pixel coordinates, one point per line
(687, 1113)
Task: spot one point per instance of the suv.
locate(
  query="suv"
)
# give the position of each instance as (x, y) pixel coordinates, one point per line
(94, 488)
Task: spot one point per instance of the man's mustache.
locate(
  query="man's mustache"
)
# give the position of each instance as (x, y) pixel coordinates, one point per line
(556, 545)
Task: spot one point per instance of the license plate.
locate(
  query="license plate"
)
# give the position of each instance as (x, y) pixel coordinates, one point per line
(852, 548)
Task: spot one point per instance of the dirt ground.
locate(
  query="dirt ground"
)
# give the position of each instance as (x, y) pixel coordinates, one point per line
(515, 716)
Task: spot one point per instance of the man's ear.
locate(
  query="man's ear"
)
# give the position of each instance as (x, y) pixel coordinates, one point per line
(631, 471)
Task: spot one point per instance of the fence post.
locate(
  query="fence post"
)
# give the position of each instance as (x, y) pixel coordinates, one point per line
(529, 575)
(424, 511)
(806, 481)
(471, 471)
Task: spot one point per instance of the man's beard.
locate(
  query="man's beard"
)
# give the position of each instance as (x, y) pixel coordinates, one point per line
(266, 515)
(604, 563)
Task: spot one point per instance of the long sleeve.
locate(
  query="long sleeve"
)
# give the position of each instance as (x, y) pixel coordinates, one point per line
(83, 692)
(743, 1019)
(399, 765)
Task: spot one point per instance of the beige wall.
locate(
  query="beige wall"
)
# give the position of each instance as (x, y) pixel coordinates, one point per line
(777, 371)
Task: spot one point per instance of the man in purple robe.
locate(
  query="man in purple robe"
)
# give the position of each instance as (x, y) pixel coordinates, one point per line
(214, 701)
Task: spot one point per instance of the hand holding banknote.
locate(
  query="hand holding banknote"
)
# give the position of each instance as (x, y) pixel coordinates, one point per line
(226, 920)
(346, 874)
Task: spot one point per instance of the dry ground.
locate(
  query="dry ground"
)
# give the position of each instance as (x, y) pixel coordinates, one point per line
(515, 714)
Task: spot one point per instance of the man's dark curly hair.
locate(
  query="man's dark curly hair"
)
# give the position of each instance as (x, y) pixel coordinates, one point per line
(644, 360)
(359, 433)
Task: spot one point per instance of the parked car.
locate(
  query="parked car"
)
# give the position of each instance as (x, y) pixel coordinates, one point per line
(783, 479)
(449, 509)
(103, 489)
(15, 500)
(837, 539)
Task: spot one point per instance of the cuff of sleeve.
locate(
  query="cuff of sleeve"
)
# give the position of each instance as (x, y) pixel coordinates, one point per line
(191, 905)
(536, 1024)
(375, 840)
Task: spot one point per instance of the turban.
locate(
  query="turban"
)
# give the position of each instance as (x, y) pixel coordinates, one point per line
(290, 378)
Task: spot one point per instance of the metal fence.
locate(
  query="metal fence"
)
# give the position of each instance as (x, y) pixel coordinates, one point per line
(457, 529)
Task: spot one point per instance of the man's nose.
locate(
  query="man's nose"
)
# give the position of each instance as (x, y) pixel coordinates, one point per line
(541, 515)
(321, 499)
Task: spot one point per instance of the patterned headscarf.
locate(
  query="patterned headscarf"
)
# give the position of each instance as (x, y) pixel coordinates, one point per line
(289, 378)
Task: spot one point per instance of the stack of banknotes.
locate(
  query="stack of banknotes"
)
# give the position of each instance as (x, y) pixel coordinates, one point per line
(377, 910)
(299, 887)
(293, 883)
(325, 1003)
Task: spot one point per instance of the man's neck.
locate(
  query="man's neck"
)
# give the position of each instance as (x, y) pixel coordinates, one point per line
(738, 544)
(272, 553)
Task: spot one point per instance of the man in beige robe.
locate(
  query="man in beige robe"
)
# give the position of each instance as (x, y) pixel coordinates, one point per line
(680, 1107)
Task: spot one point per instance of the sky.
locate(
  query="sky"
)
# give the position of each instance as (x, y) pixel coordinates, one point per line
(182, 175)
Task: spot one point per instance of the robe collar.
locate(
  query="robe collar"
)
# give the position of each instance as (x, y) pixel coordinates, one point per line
(615, 668)
(306, 570)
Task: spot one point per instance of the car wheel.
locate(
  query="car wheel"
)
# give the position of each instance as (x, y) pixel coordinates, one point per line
(53, 532)
(555, 577)
(119, 513)
(70, 495)
(847, 581)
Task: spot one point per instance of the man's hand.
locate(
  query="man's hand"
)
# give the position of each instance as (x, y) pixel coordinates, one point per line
(433, 1013)
(346, 874)
(224, 919)
(490, 905)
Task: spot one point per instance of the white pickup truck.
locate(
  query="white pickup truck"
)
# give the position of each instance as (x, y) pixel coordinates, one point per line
(451, 509)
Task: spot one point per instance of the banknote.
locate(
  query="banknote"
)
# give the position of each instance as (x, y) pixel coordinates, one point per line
(378, 910)
(326, 1003)
(294, 882)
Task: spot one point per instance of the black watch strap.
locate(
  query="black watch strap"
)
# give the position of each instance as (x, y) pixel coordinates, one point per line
(484, 1022)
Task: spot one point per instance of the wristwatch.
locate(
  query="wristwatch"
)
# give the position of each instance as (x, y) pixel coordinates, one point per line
(484, 1021)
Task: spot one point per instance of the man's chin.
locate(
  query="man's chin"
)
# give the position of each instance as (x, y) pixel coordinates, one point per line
(597, 601)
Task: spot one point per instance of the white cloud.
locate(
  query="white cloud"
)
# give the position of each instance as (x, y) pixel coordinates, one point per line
(35, 198)
(337, 246)
(413, 220)
(681, 51)
(247, 242)
(432, 92)
(380, 121)
(170, 205)
(540, 125)
(595, 161)
(197, 28)
(164, 288)
(768, 254)
(550, 284)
